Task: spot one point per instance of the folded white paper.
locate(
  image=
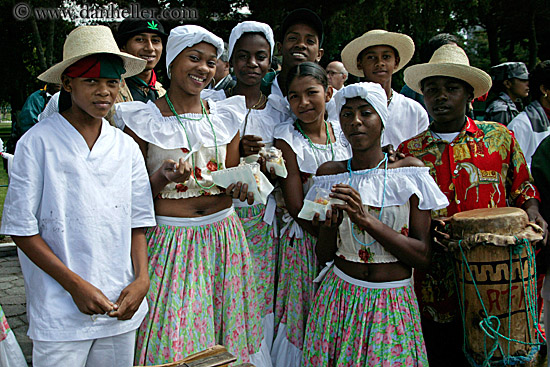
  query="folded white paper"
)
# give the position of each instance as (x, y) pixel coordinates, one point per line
(245, 173)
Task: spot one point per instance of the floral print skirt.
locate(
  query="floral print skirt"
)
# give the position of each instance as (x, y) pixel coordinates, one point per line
(357, 323)
(202, 290)
(4, 327)
(262, 241)
(294, 297)
(10, 352)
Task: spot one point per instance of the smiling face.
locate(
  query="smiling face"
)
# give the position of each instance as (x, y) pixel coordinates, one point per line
(378, 63)
(361, 124)
(146, 46)
(251, 58)
(301, 43)
(446, 100)
(92, 97)
(307, 99)
(193, 69)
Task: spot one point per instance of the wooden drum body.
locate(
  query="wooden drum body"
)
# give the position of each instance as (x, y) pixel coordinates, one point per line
(496, 282)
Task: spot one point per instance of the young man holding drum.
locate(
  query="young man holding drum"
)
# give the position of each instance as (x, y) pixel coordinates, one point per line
(477, 165)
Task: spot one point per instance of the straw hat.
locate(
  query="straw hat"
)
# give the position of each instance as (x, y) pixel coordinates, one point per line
(377, 37)
(451, 61)
(88, 40)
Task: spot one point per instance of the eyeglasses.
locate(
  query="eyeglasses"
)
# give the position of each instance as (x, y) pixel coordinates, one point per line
(332, 73)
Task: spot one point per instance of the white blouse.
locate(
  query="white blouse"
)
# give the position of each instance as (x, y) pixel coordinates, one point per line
(400, 184)
(201, 137)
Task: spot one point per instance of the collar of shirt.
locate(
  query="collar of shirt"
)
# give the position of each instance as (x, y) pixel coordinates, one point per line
(470, 128)
(143, 84)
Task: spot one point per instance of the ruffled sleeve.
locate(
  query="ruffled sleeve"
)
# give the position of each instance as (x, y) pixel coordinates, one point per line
(281, 105)
(400, 185)
(287, 132)
(146, 121)
(190, 131)
(227, 117)
(212, 94)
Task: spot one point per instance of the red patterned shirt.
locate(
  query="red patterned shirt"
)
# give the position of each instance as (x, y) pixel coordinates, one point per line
(483, 167)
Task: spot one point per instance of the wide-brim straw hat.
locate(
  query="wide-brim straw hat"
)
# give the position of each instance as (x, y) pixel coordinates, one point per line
(88, 40)
(377, 37)
(450, 61)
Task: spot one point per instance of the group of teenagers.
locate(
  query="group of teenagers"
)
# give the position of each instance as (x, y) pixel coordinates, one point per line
(123, 229)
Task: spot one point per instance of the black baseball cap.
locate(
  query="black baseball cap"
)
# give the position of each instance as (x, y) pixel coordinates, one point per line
(303, 16)
(132, 26)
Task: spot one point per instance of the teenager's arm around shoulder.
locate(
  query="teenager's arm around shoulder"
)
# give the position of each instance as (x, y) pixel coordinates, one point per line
(330, 168)
(408, 161)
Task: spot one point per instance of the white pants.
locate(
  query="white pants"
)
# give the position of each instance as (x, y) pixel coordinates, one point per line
(115, 351)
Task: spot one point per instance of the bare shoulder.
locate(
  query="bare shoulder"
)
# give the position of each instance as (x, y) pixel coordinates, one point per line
(331, 168)
(408, 161)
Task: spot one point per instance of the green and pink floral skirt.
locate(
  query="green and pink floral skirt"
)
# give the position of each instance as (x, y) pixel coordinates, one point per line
(295, 292)
(358, 323)
(202, 291)
(10, 352)
(262, 241)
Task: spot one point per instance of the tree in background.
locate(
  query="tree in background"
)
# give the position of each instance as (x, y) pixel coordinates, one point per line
(492, 32)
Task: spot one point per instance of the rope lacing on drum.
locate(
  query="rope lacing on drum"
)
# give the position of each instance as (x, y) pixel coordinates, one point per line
(491, 324)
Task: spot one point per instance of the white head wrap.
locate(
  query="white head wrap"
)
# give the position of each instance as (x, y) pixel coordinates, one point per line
(186, 36)
(370, 92)
(248, 27)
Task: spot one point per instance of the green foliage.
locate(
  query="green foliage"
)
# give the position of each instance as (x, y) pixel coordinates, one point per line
(493, 31)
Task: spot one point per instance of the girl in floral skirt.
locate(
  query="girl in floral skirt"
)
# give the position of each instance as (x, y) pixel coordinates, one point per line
(306, 144)
(202, 284)
(365, 311)
(251, 47)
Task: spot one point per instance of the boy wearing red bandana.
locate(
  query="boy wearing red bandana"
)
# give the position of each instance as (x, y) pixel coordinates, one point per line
(78, 200)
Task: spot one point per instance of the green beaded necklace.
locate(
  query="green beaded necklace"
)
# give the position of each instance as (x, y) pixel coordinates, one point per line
(189, 142)
(311, 144)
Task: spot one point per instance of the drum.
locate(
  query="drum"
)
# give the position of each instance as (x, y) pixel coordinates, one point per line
(217, 356)
(496, 283)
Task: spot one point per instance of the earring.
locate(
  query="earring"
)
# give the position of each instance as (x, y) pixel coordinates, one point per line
(545, 95)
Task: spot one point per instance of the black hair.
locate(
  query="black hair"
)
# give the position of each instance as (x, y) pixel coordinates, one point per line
(436, 42)
(65, 101)
(275, 63)
(307, 68)
(362, 53)
(540, 75)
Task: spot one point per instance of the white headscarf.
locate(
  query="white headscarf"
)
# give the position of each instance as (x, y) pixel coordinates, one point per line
(186, 36)
(370, 92)
(249, 27)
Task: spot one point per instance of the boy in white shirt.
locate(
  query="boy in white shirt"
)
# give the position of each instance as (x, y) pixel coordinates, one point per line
(376, 56)
(78, 200)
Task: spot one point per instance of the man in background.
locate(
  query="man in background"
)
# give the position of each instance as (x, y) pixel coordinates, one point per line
(337, 75)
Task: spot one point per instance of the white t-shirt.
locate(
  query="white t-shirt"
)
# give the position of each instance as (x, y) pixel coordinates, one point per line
(448, 137)
(407, 118)
(528, 139)
(84, 204)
